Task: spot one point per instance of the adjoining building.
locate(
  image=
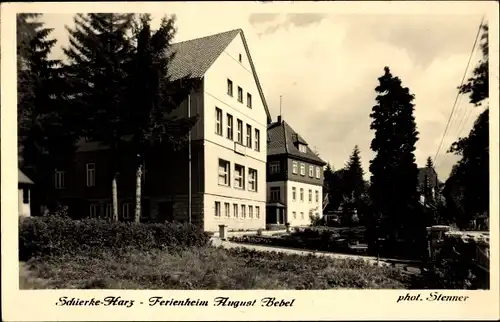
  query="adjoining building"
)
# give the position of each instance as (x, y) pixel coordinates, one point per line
(294, 177)
(228, 149)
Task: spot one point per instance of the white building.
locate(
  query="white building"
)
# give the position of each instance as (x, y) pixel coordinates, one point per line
(24, 191)
(294, 177)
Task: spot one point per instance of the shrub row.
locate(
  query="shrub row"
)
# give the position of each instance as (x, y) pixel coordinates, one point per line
(53, 235)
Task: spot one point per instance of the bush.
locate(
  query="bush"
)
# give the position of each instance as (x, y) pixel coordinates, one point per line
(56, 235)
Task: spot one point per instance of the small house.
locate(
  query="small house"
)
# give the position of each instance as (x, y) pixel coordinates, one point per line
(24, 188)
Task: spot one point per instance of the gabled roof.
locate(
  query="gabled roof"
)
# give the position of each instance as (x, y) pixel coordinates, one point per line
(22, 178)
(282, 139)
(194, 57)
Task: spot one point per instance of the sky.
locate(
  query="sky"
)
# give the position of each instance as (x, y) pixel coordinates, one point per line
(325, 66)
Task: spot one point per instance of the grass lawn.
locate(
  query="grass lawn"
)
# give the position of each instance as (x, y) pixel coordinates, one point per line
(204, 268)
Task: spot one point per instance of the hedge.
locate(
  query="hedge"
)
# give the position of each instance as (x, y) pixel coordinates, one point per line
(53, 235)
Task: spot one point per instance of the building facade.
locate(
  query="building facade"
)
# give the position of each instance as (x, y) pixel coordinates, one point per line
(24, 186)
(228, 149)
(294, 177)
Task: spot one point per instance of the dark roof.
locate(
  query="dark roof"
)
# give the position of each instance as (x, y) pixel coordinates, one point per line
(194, 57)
(431, 176)
(282, 139)
(22, 178)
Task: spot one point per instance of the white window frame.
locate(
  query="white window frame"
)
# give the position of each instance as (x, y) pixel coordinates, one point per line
(218, 121)
(294, 214)
(59, 177)
(317, 196)
(243, 211)
(249, 136)
(235, 210)
(240, 94)
(274, 167)
(302, 148)
(224, 173)
(217, 210)
(311, 171)
(302, 169)
(229, 133)
(229, 87)
(302, 215)
(257, 140)
(126, 210)
(249, 100)
(239, 131)
(301, 194)
(257, 212)
(227, 209)
(294, 193)
(318, 173)
(295, 167)
(252, 180)
(250, 212)
(90, 174)
(239, 177)
(310, 195)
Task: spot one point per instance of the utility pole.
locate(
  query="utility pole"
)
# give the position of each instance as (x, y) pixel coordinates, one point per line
(280, 104)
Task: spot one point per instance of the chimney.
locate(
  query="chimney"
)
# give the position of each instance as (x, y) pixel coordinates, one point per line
(279, 118)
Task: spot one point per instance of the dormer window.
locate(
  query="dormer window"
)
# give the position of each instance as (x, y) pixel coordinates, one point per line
(302, 148)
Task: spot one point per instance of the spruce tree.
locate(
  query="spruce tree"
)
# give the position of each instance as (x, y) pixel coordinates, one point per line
(468, 185)
(99, 53)
(394, 173)
(46, 136)
(355, 185)
(429, 164)
(153, 95)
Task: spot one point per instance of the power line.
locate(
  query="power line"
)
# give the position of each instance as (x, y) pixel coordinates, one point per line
(458, 93)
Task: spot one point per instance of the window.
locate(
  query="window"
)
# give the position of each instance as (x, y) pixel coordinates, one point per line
(252, 179)
(301, 194)
(311, 171)
(294, 193)
(223, 172)
(302, 148)
(275, 194)
(218, 121)
(294, 167)
(243, 211)
(249, 100)
(26, 196)
(90, 174)
(301, 215)
(59, 179)
(239, 57)
(229, 126)
(318, 172)
(126, 210)
(249, 136)
(302, 169)
(257, 212)
(310, 195)
(94, 210)
(235, 210)
(257, 140)
(250, 211)
(240, 94)
(217, 209)
(239, 176)
(240, 131)
(226, 209)
(274, 167)
(229, 87)
(109, 211)
(317, 196)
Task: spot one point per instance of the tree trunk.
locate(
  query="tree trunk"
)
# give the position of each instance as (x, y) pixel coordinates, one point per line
(138, 198)
(114, 194)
